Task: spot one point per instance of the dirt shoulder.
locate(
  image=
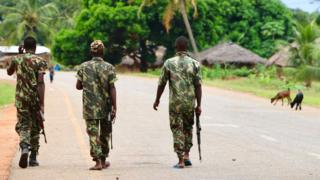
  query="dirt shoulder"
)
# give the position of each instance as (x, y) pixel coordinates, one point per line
(8, 139)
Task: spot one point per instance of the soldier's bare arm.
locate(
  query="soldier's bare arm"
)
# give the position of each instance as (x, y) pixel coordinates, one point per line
(41, 90)
(79, 85)
(113, 94)
(159, 94)
(164, 77)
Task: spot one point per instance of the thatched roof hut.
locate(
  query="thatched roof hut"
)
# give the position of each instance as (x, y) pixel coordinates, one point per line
(282, 57)
(159, 52)
(229, 53)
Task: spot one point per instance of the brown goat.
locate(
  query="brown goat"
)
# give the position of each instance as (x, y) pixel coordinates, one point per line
(281, 95)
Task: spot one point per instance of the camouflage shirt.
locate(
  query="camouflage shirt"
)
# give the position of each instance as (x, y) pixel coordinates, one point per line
(96, 75)
(183, 74)
(28, 67)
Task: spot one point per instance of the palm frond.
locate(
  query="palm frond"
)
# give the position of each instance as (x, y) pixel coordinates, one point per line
(48, 10)
(145, 3)
(168, 15)
(6, 10)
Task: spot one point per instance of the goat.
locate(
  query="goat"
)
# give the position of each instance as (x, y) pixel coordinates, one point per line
(297, 100)
(281, 95)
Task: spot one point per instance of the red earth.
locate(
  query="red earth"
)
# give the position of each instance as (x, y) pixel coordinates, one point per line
(8, 139)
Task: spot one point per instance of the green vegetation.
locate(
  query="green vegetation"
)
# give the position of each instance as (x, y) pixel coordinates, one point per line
(118, 26)
(6, 93)
(38, 18)
(306, 54)
(258, 25)
(268, 90)
(169, 13)
(260, 81)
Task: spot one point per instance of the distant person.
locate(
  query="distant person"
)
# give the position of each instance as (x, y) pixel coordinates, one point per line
(30, 70)
(51, 73)
(183, 74)
(96, 78)
(57, 67)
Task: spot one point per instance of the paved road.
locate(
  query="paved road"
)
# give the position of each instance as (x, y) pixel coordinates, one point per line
(244, 137)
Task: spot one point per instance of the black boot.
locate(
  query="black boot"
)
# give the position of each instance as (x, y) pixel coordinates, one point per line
(33, 159)
(23, 163)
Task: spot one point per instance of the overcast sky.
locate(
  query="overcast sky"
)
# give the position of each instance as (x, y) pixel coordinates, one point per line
(302, 4)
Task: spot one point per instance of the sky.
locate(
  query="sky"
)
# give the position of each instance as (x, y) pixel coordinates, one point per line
(302, 4)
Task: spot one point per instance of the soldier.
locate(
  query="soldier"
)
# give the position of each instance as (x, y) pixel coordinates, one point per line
(183, 74)
(29, 100)
(96, 78)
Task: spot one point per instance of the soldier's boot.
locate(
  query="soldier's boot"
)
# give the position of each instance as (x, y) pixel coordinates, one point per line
(23, 162)
(33, 159)
(105, 164)
(98, 165)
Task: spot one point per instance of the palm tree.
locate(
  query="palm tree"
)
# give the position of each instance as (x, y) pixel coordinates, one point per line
(306, 55)
(172, 7)
(27, 18)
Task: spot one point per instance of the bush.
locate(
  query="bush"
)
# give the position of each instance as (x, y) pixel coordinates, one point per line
(217, 72)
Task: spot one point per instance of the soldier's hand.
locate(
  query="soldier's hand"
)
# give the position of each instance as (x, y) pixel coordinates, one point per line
(21, 49)
(113, 114)
(155, 105)
(198, 110)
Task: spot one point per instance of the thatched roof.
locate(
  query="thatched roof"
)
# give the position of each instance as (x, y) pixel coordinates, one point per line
(229, 53)
(282, 57)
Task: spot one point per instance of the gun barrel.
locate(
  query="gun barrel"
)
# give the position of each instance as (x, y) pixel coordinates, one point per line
(198, 135)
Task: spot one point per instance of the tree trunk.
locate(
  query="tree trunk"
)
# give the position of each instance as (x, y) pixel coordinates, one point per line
(188, 27)
(144, 55)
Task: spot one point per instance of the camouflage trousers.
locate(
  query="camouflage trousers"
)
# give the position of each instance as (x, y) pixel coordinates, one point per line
(181, 125)
(99, 131)
(28, 128)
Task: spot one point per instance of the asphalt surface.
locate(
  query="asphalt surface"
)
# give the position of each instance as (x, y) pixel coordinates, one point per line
(243, 137)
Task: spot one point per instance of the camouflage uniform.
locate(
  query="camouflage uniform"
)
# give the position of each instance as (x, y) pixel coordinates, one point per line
(96, 75)
(27, 102)
(183, 74)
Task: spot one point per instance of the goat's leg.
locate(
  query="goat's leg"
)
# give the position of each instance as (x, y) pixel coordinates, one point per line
(282, 101)
(275, 102)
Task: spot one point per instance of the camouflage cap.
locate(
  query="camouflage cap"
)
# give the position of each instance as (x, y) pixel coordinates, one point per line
(96, 45)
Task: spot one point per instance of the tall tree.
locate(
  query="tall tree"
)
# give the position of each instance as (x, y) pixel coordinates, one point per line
(306, 54)
(27, 18)
(172, 7)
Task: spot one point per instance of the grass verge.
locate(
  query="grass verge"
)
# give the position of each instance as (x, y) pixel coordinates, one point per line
(262, 88)
(7, 91)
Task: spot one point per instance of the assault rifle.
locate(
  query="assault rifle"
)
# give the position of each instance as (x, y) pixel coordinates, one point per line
(198, 134)
(40, 117)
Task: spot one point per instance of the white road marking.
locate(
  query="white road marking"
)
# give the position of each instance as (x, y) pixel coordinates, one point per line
(268, 138)
(314, 155)
(220, 125)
